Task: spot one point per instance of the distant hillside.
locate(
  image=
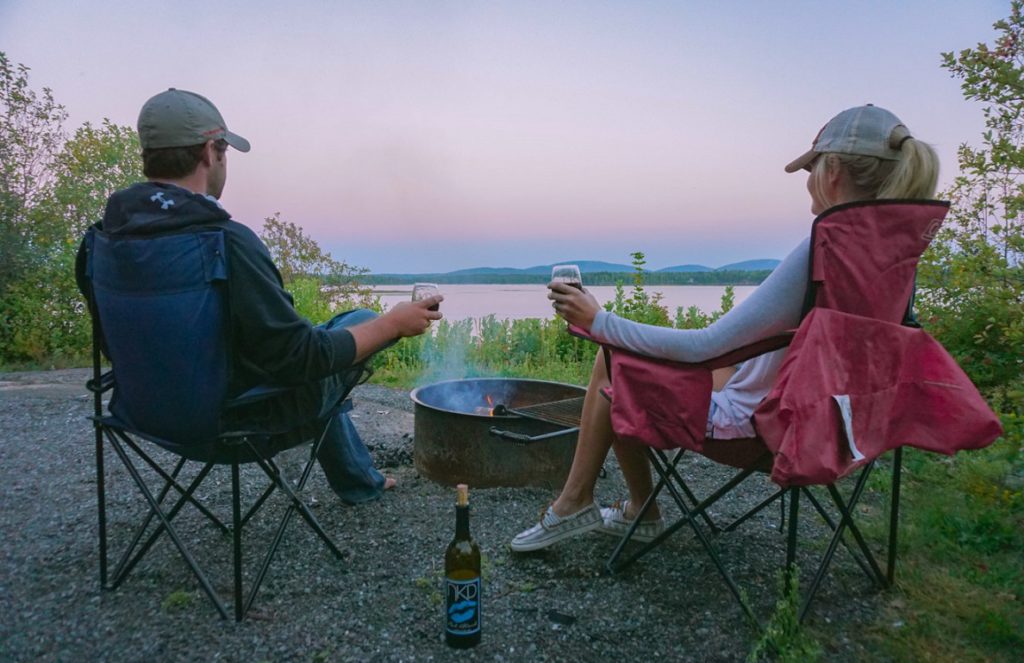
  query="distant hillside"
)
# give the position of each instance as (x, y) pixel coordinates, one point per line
(596, 271)
(750, 265)
(477, 270)
(686, 268)
(586, 267)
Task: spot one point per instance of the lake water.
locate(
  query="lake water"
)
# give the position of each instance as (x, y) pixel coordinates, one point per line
(516, 301)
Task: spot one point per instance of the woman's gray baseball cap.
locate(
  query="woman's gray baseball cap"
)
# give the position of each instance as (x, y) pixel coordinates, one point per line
(178, 118)
(865, 130)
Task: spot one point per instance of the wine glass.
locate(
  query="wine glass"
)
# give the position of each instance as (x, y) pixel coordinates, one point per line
(567, 274)
(425, 291)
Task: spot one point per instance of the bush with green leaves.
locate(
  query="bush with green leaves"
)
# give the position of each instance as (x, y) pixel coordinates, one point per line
(320, 285)
(51, 189)
(639, 305)
(972, 277)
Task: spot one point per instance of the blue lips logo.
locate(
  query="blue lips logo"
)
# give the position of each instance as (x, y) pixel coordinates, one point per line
(462, 612)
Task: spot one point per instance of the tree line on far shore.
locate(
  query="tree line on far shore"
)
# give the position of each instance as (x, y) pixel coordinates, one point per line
(728, 277)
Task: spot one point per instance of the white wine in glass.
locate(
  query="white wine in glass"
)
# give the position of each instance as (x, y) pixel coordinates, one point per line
(425, 291)
(567, 274)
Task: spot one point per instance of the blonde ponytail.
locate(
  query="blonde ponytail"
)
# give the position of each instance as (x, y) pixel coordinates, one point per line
(914, 175)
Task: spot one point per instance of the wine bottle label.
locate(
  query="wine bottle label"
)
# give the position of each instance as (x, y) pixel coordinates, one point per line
(462, 603)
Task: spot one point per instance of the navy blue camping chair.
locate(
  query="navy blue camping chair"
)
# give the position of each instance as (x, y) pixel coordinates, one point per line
(160, 307)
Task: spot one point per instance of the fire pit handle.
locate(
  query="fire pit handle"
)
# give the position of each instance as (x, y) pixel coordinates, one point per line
(521, 438)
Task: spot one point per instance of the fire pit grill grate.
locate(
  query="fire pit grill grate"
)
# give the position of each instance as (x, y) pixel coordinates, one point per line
(565, 412)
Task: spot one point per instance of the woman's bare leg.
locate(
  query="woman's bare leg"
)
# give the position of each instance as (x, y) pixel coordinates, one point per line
(595, 438)
(637, 471)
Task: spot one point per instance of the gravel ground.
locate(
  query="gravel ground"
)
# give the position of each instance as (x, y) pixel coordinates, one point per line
(383, 601)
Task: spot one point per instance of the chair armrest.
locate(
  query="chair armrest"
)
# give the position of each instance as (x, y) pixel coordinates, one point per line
(763, 346)
(755, 349)
(105, 383)
(255, 395)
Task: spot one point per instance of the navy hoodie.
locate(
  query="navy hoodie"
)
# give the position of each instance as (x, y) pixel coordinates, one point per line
(271, 342)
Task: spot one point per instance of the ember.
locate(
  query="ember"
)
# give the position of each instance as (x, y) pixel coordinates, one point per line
(485, 410)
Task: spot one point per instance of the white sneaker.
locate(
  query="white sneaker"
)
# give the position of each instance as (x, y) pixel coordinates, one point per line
(552, 528)
(614, 522)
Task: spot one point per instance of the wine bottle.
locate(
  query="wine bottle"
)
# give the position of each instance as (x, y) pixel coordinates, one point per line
(462, 580)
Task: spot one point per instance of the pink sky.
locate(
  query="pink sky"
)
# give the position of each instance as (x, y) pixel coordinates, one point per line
(432, 136)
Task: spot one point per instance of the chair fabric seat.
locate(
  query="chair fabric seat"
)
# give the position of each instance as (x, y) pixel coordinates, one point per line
(241, 446)
(741, 453)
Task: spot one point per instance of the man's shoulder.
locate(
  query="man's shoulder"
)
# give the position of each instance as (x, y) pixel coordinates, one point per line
(240, 230)
(243, 239)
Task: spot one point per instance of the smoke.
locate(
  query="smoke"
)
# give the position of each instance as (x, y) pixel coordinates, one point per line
(445, 359)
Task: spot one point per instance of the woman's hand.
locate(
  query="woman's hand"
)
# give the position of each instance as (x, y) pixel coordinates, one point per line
(413, 318)
(578, 307)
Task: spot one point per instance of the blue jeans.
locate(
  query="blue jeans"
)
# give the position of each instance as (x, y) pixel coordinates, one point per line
(343, 456)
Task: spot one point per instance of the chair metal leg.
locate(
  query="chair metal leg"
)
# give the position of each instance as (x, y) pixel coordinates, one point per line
(124, 566)
(665, 470)
(172, 483)
(122, 442)
(791, 537)
(271, 471)
(101, 500)
(313, 448)
(97, 406)
(778, 494)
(258, 503)
(668, 475)
(243, 604)
(845, 521)
(832, 526)
(203, 581)
(847, 512)
(278, 481)
(141, 529)
(894, 514)
(715, 529)
(782, 513)
(236, 538)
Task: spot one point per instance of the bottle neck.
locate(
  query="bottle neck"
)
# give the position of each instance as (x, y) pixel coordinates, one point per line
(462, 522)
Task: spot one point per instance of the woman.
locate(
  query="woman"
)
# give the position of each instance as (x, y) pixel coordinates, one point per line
(863, 153)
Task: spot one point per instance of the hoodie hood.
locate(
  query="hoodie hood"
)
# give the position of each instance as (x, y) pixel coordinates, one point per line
(155, 207)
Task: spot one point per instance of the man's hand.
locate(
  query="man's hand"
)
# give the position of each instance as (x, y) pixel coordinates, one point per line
(404, 319)
(413, 318)
(578, 307)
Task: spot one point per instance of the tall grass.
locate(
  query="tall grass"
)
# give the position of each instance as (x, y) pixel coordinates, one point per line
(959, 592)
(535, 348)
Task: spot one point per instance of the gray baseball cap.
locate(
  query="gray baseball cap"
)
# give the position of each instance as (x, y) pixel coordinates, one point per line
(178, 118)
(865, 130)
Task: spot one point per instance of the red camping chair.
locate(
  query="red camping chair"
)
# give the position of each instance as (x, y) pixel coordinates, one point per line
(859, 378)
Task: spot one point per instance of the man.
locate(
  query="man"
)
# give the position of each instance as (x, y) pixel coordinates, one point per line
(184, 150)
